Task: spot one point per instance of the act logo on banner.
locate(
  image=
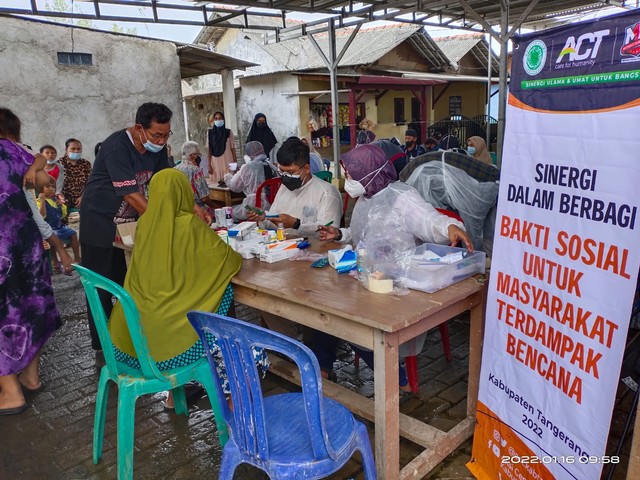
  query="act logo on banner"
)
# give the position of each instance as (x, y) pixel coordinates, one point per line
(566, 254)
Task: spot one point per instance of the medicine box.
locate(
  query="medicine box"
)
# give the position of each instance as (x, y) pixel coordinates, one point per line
(127, 232)
(274, 252)
(243, 230)
(429, 273)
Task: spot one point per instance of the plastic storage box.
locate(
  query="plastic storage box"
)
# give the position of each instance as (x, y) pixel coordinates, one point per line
(431, 275)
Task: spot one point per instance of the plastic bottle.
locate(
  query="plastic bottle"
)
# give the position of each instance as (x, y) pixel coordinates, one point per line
(281, 233)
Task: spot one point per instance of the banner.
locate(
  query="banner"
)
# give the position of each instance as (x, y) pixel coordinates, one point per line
(566, 253)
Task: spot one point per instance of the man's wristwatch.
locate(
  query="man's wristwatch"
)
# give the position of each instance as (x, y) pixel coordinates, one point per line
(339, 236)
(296, 225)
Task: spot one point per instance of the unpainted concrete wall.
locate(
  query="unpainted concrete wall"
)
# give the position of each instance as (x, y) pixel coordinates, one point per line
(197, 110)
(264, 95)
(55, 102)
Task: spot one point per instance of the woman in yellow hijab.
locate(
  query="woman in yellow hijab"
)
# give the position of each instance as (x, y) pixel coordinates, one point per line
(179, 264)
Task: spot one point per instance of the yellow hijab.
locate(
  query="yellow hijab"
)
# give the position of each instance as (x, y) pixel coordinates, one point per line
(178, 264)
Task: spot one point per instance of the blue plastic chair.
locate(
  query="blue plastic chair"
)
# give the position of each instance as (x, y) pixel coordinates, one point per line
(133, 383)
(290, 435)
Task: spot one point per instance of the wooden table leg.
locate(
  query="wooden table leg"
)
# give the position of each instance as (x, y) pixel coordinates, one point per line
(387, 405)
(475, 357)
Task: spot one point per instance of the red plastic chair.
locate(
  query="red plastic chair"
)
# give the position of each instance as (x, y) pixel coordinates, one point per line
(411, 362)
(274, 185)
(345, 206)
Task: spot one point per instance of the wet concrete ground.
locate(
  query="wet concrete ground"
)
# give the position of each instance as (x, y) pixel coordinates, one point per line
(53, 439)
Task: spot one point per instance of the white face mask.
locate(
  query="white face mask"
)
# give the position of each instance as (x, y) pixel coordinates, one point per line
(355, 189)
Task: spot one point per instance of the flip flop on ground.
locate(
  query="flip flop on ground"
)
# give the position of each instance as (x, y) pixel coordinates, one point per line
(38, 389)
(14, 410)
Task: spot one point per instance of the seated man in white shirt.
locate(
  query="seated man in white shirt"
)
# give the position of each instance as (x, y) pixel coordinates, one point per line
(304, 201)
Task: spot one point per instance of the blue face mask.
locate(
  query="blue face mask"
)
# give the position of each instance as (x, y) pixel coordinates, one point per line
(75, 155)
(471, 150)
(218, 123)
(151, 147)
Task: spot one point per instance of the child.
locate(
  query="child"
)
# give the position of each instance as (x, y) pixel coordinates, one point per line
(53, 211)
(53, 168)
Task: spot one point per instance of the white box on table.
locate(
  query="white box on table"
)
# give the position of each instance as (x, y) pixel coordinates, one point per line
(431, 276)
(243, 230)
(274, 252)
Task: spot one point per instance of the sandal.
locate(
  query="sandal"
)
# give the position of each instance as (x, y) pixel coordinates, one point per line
(64, 270)
(193, 392)
(14, 410)
(32, 391)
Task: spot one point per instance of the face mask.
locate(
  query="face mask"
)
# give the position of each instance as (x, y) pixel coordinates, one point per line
(51, 162)
(411, 143)
(151, 147)
(198, 159)
(75, 155)
(471, 150)
(292, 182)
(262, 125)
(218, 123)
(354, 188)
(247, 158)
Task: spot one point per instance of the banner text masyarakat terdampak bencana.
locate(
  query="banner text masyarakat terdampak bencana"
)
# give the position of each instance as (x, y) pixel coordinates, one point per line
(566, 254)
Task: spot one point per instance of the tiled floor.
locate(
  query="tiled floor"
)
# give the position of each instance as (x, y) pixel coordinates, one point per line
(53, 439)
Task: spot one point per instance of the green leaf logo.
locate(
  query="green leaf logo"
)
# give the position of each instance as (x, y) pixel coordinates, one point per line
(535, 57)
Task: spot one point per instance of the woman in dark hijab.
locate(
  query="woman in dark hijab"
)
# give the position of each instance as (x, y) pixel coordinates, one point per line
(260, 132)
(221, 148)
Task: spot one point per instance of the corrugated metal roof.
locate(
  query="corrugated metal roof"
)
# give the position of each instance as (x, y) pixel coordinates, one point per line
(433, 12)
(456, 47)
(430, 50)
(196, 61)
(369, 45)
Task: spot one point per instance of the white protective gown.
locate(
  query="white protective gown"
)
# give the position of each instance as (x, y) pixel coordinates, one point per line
(247, 180)
(422, 220)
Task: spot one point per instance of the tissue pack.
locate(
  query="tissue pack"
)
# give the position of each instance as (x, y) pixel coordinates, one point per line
(342, 258)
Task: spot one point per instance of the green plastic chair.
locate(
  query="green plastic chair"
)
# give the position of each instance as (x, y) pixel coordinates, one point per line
(324, 175)
(133, 383)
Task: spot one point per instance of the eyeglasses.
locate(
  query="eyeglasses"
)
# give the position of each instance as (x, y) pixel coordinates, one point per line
(160, 136)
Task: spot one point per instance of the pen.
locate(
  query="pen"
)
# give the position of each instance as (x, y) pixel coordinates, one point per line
(325, 225)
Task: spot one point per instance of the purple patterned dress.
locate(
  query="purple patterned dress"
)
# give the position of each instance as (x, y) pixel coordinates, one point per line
(28, 312)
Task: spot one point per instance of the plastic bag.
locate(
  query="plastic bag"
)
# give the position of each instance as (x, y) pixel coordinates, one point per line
(385, 252)
(307, 256)
(449, 187)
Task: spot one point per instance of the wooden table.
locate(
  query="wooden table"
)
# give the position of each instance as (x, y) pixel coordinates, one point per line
(225, 195)
(339, 305)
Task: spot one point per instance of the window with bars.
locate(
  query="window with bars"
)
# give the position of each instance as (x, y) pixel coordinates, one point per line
(75, 58)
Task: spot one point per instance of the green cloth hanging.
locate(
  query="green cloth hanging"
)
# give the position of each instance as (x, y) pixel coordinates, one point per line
(178, 264)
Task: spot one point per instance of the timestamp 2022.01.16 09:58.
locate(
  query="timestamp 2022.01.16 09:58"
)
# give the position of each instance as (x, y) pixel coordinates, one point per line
(567, 459)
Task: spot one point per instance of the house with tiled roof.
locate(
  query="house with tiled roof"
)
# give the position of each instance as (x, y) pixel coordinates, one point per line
(290, 82)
